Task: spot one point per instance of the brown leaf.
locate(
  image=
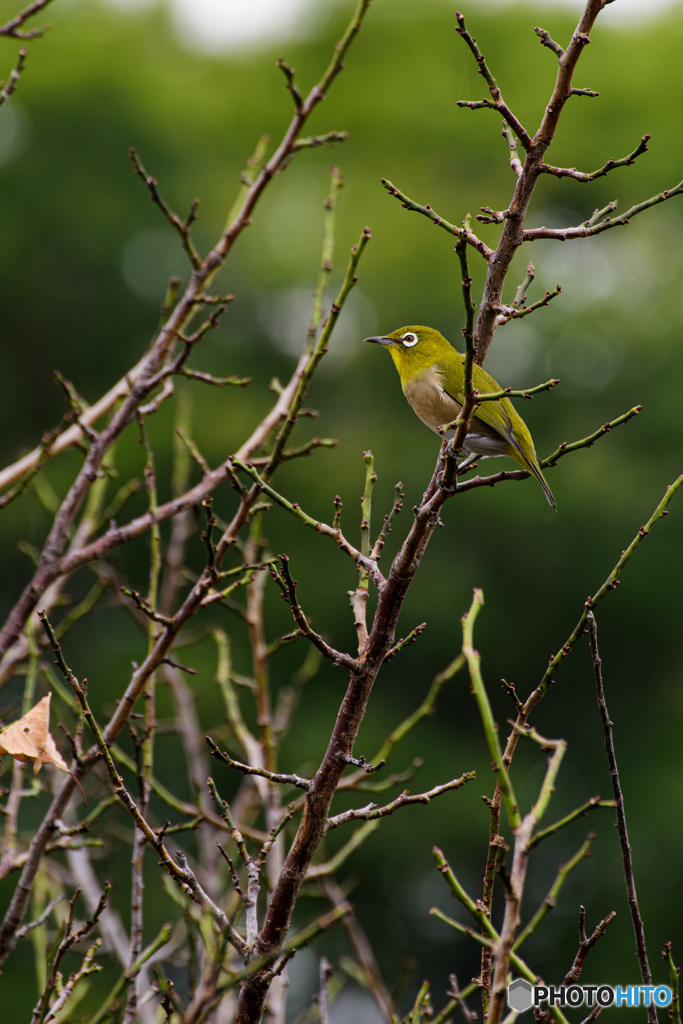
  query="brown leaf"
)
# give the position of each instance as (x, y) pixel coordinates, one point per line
(29, 738)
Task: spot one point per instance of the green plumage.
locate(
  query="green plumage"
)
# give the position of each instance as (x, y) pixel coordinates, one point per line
(432, 376)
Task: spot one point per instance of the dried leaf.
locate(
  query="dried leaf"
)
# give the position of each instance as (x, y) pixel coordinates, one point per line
(29, 738)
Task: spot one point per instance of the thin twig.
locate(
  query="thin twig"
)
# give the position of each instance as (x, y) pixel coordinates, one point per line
(496, 102)
(589, 228)
(636, 918)
(371, 811)
(245, 769)
(326, 973)
(626, 161)
(15, 74)
(586, 943)
(427, 211)
(14, 27)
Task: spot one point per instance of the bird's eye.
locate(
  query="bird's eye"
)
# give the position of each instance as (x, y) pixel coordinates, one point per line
(409, 339)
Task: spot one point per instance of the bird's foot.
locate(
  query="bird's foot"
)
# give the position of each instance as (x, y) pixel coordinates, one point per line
(459, 469)
(443, 486)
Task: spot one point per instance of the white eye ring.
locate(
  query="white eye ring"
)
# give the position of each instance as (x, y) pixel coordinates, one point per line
(409, 339)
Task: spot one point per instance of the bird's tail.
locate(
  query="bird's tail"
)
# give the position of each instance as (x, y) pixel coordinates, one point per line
(532, 466)
(535, 468)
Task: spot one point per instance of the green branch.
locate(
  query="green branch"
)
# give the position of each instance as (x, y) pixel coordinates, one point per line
(490, 728)
(591, 603)
(574, 815)
(495, 396)
(587, 442)
(551, 899)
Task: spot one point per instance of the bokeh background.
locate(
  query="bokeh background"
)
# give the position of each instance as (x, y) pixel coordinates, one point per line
(83, 267)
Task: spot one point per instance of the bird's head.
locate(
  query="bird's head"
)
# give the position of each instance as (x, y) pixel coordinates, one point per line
(413, 348)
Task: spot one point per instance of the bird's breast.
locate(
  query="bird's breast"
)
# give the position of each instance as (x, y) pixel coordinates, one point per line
(426, 395)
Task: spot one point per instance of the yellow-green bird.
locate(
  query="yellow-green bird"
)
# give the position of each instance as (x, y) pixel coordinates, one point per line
(432, 376)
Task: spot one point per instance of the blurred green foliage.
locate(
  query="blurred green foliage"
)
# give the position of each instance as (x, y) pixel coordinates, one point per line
(83, 269)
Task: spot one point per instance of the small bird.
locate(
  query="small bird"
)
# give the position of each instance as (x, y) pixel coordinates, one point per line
(432, 376)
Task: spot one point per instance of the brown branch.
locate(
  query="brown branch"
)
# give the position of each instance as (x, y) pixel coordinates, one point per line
(564, 449)
(288, 588)
(52, 562)
(539, 692)
(282, 778)
(496, 103)
(324, 784)
(14, 27)
(512, 312)
(546, 40)
(371, 811)
(15, 74)
(426, 211)
(363, 950)
(589, 228)
(571, 172)
(586, 943)
(512, 234)
(636, 918)
(181, 226)
(174, 326)
(326, 973)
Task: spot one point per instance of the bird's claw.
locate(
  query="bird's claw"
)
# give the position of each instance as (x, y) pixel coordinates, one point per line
(443, 486)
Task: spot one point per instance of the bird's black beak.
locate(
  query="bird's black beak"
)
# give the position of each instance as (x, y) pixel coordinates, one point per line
(381, 340)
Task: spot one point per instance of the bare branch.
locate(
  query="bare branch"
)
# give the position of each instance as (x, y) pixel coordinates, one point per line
(371, 811)
(571, 172)
(314, 141)
(288, 72)
(592, 228)
(496, 103)
(326, 973)
(586, 944)
(14, 27)
(495, 396)
(515, 162)
(506, 313)
(15, 74)
(172, 328)
(546, 40)
(513, 232)
(674, 978)
(580, 812)
(587, 442)
(636, 918)
(404, 642)
(245, 769)
(427, 211)
(181, 226)
(288, 587)
(591, 604)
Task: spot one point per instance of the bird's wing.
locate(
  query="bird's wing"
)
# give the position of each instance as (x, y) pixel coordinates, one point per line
(503, 427)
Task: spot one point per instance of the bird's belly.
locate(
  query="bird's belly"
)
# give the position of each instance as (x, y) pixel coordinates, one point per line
(485, 445)
(435, 408)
